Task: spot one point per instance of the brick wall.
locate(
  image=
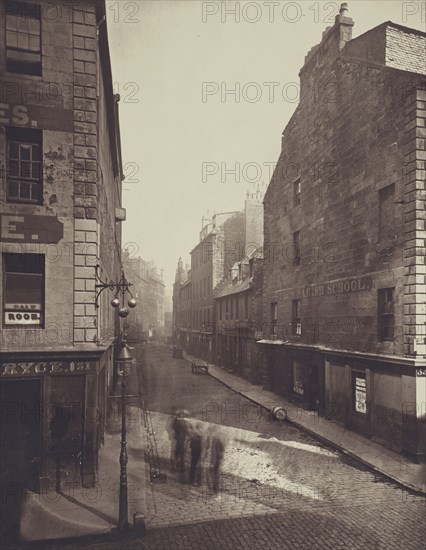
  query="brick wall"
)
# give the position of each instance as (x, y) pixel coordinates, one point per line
(405, 50)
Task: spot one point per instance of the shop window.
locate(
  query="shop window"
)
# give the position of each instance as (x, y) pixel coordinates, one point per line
(23, 289)
(359, 392)
(296, 326)
(273, 317)
(298, 378)
(296, 192)
(24, 165)
(387, 212)
(386, 316)
(23, 37)
(237, 307)
(246, 305)
(296, 248)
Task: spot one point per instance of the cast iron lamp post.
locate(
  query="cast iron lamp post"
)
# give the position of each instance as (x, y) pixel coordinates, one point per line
(124, 362)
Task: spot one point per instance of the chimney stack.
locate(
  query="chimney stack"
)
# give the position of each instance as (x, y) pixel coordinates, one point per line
(343, 9)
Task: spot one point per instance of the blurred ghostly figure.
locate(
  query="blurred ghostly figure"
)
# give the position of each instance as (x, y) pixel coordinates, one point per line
(196, 446)
(180, 433)
(217, 451)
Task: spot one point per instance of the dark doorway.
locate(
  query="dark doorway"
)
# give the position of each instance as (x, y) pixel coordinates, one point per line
(312, 388)
(20, 444)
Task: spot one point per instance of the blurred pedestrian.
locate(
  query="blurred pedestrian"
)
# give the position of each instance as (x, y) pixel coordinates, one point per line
(217, 451)
(196, 447)
(180, 432)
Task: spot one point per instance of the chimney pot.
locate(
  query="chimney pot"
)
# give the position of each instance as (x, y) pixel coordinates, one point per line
(343, 9)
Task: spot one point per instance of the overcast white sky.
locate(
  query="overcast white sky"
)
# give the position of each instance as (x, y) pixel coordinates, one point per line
(162, 52)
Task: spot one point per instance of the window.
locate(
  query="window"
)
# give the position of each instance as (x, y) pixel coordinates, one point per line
(246, 306)
(296, 248)
(296, 327)
(296, 192)
(359, 392)
(237, 307)
(220, 310)
(23, 289)
(386, 317)
(387, 212)
(273, 316)
(232, 307)
(24, 165)
(23, 37)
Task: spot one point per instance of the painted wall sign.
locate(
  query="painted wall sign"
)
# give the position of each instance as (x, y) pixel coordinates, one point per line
(58, 367)
(30, 229)
(347, 286)
(421, 373)
(36, 116)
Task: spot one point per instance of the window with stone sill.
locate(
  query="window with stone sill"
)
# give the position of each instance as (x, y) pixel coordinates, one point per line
(296, 326)
(23, 289)
(386, 314)
(273, 317)
(387, 213)
(296, 192)
(24, 165)
(23, 37)
(296, 248)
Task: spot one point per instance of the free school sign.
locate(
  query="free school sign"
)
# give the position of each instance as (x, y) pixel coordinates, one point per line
(30, 229)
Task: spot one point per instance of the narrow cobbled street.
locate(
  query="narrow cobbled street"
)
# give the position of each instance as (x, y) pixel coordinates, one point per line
(279, 487)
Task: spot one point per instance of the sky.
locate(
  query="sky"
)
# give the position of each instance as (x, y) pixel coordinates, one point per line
(206, 90)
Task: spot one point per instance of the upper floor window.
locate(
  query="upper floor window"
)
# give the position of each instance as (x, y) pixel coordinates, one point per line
(387, 212)
(296, 192)
(24, 165)
(273, 316)
(295, 318)
(386, 316)
(23, 289)
(23, 37)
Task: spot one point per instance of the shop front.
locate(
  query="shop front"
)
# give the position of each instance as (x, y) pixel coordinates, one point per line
(52, 418)
(295, 372)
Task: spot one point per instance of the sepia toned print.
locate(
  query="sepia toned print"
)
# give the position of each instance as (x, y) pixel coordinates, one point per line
(212, 232)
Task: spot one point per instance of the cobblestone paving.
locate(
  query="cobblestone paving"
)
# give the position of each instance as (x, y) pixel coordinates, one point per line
(280, 489)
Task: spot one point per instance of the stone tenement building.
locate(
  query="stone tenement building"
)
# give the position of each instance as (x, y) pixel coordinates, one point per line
(221, 243)
(226, 239)
(238, 301)
(238, 306)
(344, 287)
(60, 195)
(147, 320)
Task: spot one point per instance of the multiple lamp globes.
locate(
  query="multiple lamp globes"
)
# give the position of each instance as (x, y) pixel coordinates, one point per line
(124, 310)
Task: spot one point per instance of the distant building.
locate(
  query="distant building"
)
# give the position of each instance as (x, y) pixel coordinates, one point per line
(146, 321)
(344, 288)
(238, 300)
